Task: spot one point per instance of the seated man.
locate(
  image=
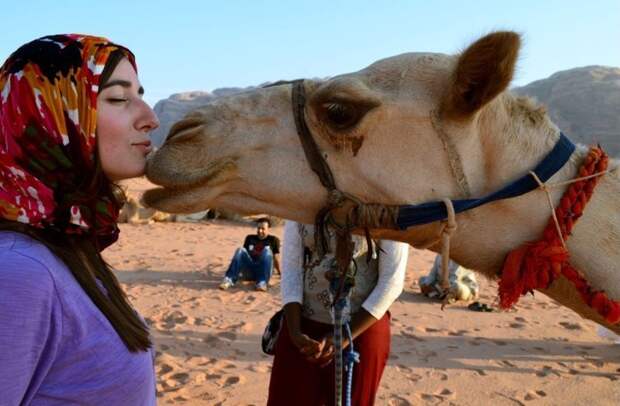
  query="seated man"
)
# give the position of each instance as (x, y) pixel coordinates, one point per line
(256, 259)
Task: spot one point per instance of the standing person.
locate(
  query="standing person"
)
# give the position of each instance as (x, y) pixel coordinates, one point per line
(72, 122)
(302, 370)
(259, 255)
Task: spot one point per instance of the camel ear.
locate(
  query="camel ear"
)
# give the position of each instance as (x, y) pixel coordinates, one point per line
(482, 72)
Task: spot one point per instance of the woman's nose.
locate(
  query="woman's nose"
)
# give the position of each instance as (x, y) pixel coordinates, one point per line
(149, 120)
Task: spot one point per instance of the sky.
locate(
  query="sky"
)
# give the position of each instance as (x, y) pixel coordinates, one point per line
(204, 45)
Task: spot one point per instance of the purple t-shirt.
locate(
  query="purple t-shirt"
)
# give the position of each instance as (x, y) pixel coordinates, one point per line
(56, 347)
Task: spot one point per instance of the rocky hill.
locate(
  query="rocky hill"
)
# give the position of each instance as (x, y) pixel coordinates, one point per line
(584, 103)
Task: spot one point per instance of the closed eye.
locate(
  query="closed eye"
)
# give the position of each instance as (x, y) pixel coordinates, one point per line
(116, 100)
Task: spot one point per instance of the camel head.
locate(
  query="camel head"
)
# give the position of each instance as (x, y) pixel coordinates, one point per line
(408, 129)
(377, 129)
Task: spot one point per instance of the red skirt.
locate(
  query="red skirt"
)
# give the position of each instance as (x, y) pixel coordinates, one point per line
(295, 381)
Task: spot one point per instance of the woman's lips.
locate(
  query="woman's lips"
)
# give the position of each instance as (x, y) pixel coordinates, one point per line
(145, 146)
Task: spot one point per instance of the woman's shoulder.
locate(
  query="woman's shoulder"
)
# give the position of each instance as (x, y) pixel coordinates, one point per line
(22, 244)
(27, 260)
(16, 240)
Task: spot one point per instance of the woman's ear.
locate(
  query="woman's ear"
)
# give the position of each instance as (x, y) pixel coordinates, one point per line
(482, 72)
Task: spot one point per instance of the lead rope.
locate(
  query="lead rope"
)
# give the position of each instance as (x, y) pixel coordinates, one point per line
(338, 307)
(340, 304)
(353, 357)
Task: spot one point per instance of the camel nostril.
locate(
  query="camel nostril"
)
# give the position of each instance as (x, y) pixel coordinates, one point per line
(182, 126)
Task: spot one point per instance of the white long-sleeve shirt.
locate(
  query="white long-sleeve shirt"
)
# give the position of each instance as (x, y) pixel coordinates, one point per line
(391, 273)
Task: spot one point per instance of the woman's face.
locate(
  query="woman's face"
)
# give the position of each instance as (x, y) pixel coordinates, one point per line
(123, 123)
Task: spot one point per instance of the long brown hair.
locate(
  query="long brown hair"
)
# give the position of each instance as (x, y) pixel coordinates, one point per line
(81, 255)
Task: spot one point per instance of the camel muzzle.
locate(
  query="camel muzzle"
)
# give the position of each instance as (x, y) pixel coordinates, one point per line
(188, 127)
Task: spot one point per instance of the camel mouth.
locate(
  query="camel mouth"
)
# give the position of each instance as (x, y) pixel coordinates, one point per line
(180, 180)
(156, 198)
(185, 128)
(180, 192)
(174, 201)
(181, 200)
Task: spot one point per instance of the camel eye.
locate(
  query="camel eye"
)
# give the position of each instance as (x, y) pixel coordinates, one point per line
(341, 116)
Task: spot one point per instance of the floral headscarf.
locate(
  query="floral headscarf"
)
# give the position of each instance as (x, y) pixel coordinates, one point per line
(48, 118)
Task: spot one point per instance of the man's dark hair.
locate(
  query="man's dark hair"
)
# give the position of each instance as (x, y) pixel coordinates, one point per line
(264, 220)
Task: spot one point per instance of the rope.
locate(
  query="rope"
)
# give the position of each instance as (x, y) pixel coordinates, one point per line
(338, 352)
(357, 214)
(380, 216)
(535, 265)
(545, 187)
(340, 303)
(373, 216)
(353, 357)
(446, 233)
(456, 166)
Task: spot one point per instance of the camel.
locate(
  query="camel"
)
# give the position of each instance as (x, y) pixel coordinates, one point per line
(408, 129)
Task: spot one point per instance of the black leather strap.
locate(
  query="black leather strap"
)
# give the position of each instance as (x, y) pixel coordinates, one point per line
(313, 155)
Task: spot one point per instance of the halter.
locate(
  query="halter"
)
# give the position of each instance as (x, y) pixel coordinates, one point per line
(400, 217)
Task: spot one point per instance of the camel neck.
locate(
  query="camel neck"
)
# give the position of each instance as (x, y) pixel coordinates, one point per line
(514, 138)
(486, 235)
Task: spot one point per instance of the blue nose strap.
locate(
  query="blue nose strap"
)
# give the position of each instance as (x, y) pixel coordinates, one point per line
(414, 215)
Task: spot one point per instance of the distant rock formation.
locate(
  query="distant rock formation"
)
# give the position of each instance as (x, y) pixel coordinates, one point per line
(584, 103)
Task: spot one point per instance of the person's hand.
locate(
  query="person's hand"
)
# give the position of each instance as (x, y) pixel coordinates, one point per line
(306, 345)
(326, 354)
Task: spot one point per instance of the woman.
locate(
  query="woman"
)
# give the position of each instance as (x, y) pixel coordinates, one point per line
(72, 122)
(302, 370)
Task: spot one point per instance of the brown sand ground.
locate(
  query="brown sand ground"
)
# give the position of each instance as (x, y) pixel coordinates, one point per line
(208, 341)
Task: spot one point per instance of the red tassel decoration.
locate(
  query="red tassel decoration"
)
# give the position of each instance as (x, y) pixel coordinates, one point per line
(536, 265)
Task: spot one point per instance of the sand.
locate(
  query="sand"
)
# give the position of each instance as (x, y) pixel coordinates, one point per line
(208, 340)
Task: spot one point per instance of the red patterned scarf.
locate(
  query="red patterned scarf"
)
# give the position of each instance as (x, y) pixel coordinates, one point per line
(48, 118)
